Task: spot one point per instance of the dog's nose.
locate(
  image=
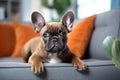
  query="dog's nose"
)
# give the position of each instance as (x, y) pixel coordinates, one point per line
(54, 40)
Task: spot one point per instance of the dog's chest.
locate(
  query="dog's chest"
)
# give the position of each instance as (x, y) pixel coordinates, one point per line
(54, 58)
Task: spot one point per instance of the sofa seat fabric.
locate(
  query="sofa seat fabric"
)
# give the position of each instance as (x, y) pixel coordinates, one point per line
(60, 71)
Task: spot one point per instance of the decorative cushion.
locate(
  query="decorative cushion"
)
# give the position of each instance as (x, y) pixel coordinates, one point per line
(80, 35)
(7, 39)
(23, 32)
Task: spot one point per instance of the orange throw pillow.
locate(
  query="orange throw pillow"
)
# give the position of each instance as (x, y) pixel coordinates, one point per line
(80, 35)
(7, 39)
(23, 32)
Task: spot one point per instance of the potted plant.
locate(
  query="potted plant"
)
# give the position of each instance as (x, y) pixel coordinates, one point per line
(111, 47)
(59, 5)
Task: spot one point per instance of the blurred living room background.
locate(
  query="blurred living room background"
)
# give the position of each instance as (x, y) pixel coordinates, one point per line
(52, 10)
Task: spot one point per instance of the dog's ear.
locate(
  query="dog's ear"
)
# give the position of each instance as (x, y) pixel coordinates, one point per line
(38, 21)
(68, 19)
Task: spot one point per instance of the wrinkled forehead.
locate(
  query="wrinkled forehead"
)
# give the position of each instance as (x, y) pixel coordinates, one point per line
(54, 27)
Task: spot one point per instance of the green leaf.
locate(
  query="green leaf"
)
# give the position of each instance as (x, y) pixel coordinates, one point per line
(116, 53)
(116, 49)
(107, 45)
(116, 62)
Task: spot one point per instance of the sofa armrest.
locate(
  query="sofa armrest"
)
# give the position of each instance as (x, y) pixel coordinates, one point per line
(97, 70)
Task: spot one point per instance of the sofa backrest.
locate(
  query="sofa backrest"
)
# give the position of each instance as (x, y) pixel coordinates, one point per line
(106, 24)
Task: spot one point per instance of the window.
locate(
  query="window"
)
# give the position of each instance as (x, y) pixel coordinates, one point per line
(86, 8)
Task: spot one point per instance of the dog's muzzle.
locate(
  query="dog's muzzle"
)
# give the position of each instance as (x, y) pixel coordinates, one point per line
(55, 45)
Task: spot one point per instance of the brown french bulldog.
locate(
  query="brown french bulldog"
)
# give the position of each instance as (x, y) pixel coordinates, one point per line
(51, 45)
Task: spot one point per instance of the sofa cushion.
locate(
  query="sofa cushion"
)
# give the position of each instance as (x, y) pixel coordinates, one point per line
(79, 37)
(7, 39)
(106, 24)
(23, 33)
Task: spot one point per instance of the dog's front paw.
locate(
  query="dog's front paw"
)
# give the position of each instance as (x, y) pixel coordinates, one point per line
(79, 64)
(37, 68)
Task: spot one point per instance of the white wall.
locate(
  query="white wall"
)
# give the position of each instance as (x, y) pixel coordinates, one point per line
(25, 10)
(28, 6)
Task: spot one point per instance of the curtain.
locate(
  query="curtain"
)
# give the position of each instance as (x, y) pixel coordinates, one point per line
(115, 4)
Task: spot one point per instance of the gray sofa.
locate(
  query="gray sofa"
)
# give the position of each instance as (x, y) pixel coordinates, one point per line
(100, 67)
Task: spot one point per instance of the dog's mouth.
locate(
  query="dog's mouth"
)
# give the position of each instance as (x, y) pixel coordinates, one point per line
(55, 49)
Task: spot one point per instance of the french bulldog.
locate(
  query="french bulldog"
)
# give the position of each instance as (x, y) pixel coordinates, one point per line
(51, 45)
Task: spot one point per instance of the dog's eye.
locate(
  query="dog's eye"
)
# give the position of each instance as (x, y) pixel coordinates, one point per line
(62, 33)
(45, 35)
